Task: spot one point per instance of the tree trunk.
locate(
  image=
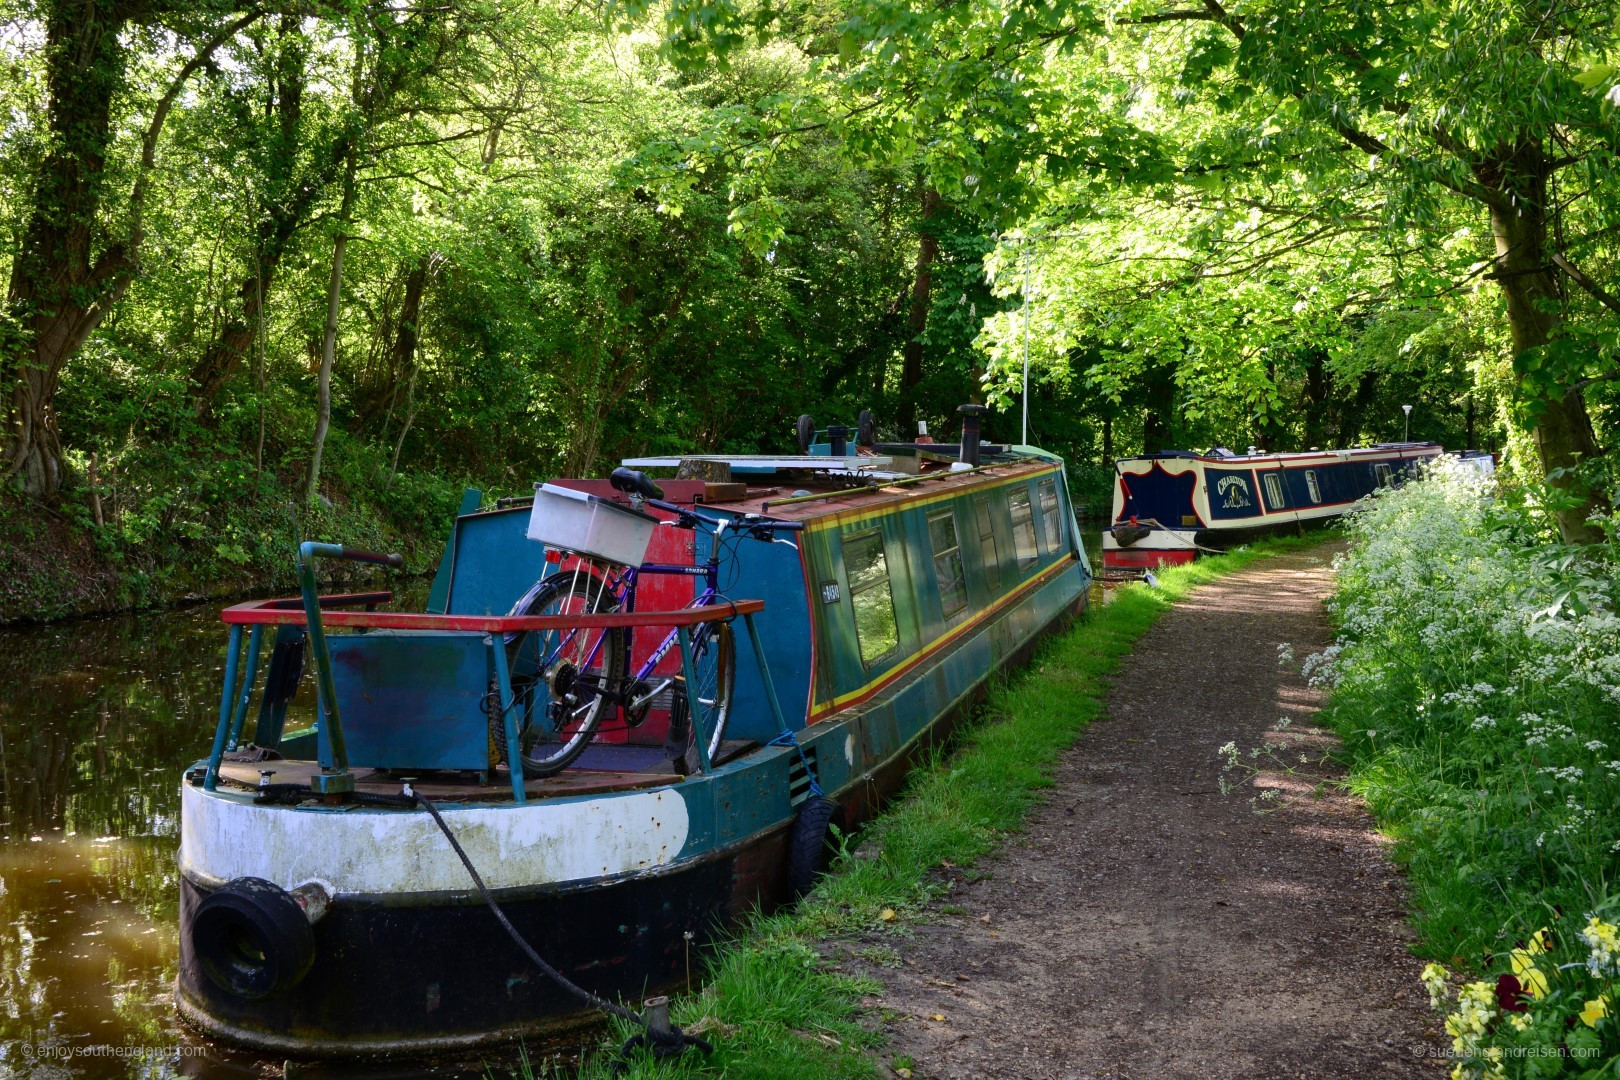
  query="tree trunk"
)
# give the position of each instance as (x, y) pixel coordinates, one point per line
(385, 388)
(1158, 420)
(334, 307)
(1563, 432)
(60, 286)
(922, 288)
(290, 195)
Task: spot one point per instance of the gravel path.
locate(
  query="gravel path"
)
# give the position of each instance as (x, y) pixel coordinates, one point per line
(1145, 926)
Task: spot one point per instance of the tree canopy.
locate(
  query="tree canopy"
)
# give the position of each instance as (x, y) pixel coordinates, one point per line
(489, 241)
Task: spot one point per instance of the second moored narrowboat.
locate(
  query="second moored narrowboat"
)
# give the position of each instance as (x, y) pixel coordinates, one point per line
(1170, 505)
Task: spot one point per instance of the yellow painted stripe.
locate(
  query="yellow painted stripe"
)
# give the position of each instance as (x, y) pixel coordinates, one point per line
(857, 514)
(944, 640)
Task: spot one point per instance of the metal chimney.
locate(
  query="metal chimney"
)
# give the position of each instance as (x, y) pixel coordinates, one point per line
(970, 433)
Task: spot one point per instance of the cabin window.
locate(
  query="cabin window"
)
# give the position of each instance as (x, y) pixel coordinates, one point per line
(1023, 527)
(1274, 491)
(947, 562)
(1049, 515)
(1312, 488)
(987, 543)
(875, 629)
(1382, 474)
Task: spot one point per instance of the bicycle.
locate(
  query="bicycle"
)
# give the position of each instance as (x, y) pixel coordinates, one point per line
(565, 681)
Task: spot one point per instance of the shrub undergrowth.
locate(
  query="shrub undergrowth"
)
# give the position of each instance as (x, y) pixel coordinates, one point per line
(1476, 683)
(770, 1003)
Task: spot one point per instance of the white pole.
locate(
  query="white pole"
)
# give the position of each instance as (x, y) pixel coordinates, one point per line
(1025, 440)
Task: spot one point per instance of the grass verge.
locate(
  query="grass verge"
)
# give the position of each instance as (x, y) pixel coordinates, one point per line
(772, 1008)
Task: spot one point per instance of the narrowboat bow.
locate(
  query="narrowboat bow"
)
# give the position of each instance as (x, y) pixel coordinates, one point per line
(863, 602)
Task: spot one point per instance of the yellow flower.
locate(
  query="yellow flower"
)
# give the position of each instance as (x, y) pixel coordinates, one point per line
(1534, 982)
(1519, 1021)
(1604, 941)
(1434, 980)
(1595, 1010)
(1539, 941)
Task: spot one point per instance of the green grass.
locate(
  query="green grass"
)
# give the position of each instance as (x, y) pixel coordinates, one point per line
(770, 1005)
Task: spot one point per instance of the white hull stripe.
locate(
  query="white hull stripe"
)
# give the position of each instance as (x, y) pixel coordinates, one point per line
(389, 852)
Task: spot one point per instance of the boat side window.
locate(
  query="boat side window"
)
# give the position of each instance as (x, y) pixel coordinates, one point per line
(1274, 492)
(987, 543)
(1382, 474)
(875, 628)
(1050, 525)
(1023, 527)
(1313, 488)
(947, 562)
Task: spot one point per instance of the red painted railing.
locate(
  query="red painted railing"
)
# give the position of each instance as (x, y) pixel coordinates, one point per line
(290, 612)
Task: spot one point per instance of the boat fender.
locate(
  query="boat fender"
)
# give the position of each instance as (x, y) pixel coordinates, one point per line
(1126, 535)
(812, 845)
(254, 938)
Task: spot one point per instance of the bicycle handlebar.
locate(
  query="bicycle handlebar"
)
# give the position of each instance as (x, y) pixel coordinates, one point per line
(749, 523)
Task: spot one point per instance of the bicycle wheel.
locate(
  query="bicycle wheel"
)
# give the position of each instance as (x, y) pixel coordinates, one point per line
(714, 667)
(562, 678)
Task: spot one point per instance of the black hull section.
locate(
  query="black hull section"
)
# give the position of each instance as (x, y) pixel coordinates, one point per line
(395, 977)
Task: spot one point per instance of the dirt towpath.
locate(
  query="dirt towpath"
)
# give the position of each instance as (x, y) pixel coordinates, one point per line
(1145, 926)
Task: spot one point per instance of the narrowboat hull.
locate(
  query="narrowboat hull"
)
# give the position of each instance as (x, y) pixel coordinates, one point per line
(624, 892)
(1171, 506)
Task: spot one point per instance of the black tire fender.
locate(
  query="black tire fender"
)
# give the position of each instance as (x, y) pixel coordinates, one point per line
(805, 432)
(866, 429)
(811, 845)
(252, 939)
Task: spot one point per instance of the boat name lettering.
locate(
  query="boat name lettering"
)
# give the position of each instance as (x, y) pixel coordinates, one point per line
(829, 592)
(1236, 490)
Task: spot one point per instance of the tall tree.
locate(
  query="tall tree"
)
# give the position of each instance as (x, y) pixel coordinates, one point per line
(73, 267)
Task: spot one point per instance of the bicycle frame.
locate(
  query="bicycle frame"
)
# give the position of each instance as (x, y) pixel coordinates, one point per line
(622, 586)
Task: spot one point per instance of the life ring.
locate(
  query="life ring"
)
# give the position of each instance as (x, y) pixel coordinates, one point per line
(812, 845)
(252, 938)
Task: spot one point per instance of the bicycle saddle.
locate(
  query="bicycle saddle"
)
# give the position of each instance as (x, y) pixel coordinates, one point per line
(637, 483)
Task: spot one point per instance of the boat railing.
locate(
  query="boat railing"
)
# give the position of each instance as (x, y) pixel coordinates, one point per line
(313, 614)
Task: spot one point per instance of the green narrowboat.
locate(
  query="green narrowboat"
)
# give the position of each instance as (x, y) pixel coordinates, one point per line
(639, 707)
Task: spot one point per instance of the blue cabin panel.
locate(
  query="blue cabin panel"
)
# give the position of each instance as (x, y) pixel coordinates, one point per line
(774, 574)
(493, 562)
(1160, 496)
(413, 699)
(1232, 494)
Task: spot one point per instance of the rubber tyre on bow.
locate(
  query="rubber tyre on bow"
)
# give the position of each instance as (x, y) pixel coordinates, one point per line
(812, 845)
(251, 938)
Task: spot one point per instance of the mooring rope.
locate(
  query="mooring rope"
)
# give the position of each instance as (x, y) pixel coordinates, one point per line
(661, 1043)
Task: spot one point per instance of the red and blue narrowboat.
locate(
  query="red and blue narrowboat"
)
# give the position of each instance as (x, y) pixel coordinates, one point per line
(639, 707)
(1171, 505)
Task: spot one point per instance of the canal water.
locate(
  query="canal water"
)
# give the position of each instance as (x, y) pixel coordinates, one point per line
(97, 719)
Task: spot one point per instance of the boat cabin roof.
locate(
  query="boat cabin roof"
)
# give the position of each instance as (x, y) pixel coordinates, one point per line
(1224, 456)
(806, 489)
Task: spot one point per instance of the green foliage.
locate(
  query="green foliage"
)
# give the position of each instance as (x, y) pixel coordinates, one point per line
(1475, 683)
